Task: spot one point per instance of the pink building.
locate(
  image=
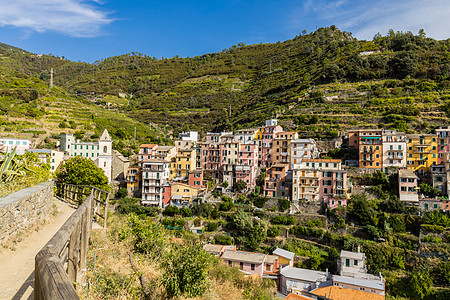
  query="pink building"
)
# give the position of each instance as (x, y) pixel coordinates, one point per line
(333, 203)
(407, 186)
(252, 263)
(247, 165)
(196, 178)
(145, 152)
(443, 139)
(265, 144)
(275, 183)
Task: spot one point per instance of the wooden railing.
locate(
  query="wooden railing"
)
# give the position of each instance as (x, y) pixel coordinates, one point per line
(60, 267)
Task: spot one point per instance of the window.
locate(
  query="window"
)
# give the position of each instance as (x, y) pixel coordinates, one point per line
(252, 267)
(267, 267)
(241, 265)
(230, 263)
(347, 262)
(355, 262)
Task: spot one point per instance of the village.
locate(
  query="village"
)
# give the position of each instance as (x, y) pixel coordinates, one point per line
(277, 165)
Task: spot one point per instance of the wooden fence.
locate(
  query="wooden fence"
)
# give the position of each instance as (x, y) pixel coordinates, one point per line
(60, 267)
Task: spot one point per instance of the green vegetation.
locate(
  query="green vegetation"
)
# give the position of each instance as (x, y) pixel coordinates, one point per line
(21, 171)
(82, 171)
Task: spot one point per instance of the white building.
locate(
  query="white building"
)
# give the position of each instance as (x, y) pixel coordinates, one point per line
(245, 136)
(394, 149)
(155, 174)
(271, 122)
(100, 152)
(188, 136)
(8, 144)
(352, 264)
(300, 281)
(303, 148)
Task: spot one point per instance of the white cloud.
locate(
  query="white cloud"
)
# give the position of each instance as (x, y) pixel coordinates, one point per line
(365, 18)
(79, 18)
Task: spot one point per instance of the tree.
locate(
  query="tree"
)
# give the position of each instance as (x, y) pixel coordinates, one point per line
(419, 284)
(185, 211)
(284, 204)
(185, 271)
(170, 211)
(82, 171)
(224, 184)
(429, 190)
(240, 185)
(248, 230)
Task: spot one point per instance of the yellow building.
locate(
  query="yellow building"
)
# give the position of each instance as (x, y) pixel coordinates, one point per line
(281, 152)
(184, 162)
(133, 179)
(182, 193)
(421, 152)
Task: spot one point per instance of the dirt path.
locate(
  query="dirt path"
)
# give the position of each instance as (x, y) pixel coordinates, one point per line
(16, 267)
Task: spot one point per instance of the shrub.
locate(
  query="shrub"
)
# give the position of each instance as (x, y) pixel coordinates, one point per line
(212, 226)
(121, 193)
(223, 239)
(284, 204)
(170, 211)
(273, 231)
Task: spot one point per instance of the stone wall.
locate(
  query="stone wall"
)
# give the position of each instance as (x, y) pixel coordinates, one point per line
(25, 208)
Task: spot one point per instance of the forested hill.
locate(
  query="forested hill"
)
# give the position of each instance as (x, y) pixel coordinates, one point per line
(323, 78)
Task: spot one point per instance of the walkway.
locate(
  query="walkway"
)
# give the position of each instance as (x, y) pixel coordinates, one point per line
(17, 267)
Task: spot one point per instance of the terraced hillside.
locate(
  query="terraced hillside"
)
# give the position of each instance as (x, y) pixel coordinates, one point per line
(319, 83)
(29, 109)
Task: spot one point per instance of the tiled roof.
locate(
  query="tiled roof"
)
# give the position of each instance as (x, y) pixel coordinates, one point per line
(250, 257)
(321, 160)
(293, 296)
(147, 145)
(339, 293)
(284, 253)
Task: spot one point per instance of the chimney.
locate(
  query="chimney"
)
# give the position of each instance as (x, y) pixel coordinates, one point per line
(359, 248)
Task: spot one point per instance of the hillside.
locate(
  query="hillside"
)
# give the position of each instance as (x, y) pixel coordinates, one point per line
(29, 109)
(317, 83)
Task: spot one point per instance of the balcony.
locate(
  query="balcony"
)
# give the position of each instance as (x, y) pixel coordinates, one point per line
(367, 159)
(367, 151)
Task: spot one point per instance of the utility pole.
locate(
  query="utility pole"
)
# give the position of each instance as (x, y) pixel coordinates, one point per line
(51, 78)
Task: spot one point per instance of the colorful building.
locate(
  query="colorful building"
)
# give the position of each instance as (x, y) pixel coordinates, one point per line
(370, 150)
(276, 183)
(422, 152)
(265, 143)
(183, 194)
(184, 162)
(247, 165)
(394, 149)
(282, 146)
(408, 186)
(302, 149)
(155, 175)
(133, 180)
(443, 140)
(145, 152)
(317, 179)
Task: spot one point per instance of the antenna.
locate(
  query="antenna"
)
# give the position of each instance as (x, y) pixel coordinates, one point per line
(51, 78)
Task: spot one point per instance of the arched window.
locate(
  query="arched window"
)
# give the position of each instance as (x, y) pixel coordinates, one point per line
(105, 149)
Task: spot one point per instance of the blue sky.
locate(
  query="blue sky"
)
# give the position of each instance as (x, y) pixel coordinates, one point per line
(88, 30)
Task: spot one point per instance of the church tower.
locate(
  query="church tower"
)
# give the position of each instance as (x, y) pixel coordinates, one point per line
(104, 160)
